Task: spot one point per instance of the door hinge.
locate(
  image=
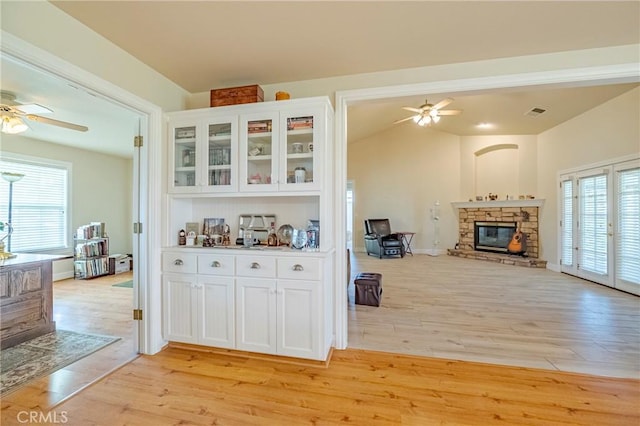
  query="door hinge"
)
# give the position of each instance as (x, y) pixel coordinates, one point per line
(137, 228)
(137, 314)
(138, 141)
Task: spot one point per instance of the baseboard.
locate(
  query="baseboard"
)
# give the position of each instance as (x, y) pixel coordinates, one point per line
(553, 267)
(62, 269)
(254, 355)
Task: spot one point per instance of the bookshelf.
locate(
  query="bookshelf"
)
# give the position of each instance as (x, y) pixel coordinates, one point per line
(91, 251)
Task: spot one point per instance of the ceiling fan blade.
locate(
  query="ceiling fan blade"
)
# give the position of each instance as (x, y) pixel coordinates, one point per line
(32, 109)
(443, 103)
(403, 119)
(418, 110)
(58, 123)
(450, 112)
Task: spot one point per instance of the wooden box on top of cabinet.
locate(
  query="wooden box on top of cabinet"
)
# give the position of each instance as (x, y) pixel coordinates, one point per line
(237, 95)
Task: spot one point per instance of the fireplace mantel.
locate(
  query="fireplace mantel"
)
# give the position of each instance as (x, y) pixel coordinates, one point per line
(497, 203)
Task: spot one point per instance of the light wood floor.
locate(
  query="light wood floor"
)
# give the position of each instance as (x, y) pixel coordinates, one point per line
(435, 306)
(359, 387)
(472, 310)
(86, 306)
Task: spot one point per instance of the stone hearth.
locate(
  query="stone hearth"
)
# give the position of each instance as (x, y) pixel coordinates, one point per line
(524, 212)
(507, 259)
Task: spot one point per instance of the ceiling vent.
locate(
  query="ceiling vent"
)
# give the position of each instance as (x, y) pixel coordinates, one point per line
(534, 112)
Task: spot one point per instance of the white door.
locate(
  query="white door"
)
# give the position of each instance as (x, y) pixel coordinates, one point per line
(216, 312)
(627, 226)
(299, 305)
(256, 315)
(179, 317)
(600, 225)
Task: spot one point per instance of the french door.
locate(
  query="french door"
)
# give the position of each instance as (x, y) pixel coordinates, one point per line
(600, 225)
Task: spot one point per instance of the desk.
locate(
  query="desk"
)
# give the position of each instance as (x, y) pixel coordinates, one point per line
(407, 238)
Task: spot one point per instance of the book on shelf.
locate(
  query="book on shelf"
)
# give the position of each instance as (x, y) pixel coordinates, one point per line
(92, 230)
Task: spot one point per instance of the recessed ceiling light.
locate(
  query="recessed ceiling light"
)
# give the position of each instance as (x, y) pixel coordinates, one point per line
(484, 125)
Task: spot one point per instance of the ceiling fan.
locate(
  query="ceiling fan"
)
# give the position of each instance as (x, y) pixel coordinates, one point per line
(429, 113)
(13, 113)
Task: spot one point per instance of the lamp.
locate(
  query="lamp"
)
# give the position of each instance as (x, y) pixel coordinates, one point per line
(11, 178)
(13, 125)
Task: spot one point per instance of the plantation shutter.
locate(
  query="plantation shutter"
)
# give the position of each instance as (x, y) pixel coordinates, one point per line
(628, 229)
(567, 223)
(593, 224)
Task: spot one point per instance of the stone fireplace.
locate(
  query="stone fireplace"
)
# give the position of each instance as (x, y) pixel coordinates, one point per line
(506, 215)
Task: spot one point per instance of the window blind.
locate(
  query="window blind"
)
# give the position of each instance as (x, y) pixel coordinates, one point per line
(39, 205)
(593, 224)
(567, 223)
(628, 232)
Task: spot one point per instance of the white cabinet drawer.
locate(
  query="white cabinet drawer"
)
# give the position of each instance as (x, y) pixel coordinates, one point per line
(216, 264)
(256, 266)
(299, 268)
(179, 262)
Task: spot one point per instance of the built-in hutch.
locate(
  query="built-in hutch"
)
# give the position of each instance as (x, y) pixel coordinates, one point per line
(271, 158)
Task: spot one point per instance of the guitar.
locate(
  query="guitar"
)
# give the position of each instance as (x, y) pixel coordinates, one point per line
(518, 243)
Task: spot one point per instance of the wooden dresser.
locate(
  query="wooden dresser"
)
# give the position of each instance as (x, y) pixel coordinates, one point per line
(26, 298)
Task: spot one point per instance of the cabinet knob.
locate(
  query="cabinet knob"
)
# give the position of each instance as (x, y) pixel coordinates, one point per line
(297, 267)
(255, 265)
(178, 262)
(216, 264)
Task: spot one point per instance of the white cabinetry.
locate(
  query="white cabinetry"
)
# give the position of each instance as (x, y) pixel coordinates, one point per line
(223, 162)
(282, 150)
(279, 315)
(255, 148)
(198, 304)
(203, 154)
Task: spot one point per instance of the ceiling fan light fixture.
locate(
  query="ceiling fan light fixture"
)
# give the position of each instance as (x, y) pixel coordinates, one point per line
(13, 125)
(435, 118)
(425, 120)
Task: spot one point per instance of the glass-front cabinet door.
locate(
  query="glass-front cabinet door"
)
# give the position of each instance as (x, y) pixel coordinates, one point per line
(220, 156)
(185, 158)
(259, 151)
(300, 133)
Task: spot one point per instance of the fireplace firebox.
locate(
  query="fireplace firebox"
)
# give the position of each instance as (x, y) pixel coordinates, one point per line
(493, 236)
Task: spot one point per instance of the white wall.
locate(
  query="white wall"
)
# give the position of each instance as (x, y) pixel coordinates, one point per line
(609, 131)
(496, 174)
(400, 174)
(101, 186)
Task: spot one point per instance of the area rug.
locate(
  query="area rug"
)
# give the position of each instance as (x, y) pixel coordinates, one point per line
(45, 354)
(127, 284)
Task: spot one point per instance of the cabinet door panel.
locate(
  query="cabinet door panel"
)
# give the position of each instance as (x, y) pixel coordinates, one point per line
(299, 307)
(219, 155)
(184, 157)
(302, 138)
(256, 315)
(259, 152)
(216, 312)
(179, 317)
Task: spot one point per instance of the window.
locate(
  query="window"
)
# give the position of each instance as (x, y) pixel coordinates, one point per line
(39, 201)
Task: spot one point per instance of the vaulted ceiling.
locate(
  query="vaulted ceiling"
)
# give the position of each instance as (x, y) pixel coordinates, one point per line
(212, 44)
